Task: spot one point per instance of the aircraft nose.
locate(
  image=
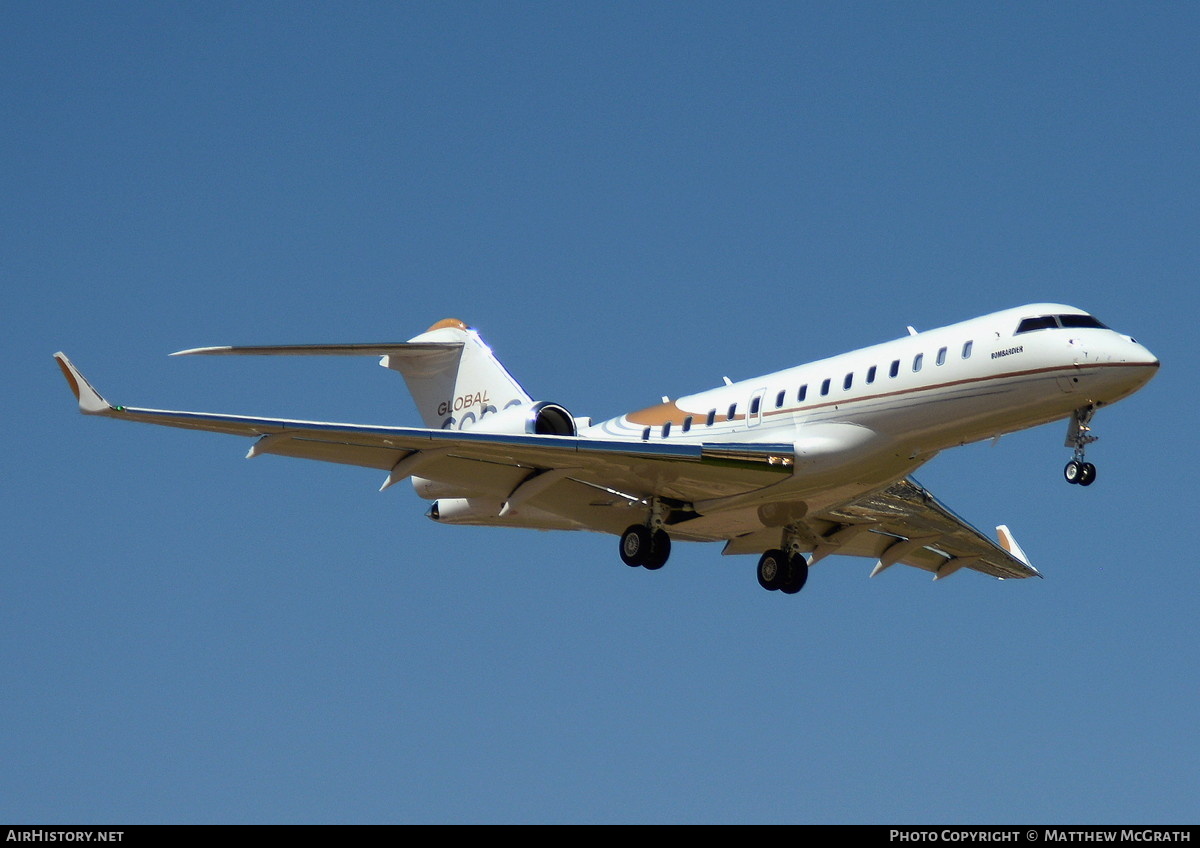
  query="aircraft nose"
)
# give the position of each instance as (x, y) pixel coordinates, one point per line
(1140, 355)
(1145, 365)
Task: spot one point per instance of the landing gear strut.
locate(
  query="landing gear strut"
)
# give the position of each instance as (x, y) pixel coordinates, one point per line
(1079, 437)
(647, 545)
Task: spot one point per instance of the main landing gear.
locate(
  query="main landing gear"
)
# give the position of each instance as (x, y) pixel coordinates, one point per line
(647, 545)
(778, 570)
(784, 569)
(1079, 472)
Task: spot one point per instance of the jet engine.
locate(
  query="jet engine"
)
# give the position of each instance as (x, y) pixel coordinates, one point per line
(463, 511)
(542, 419)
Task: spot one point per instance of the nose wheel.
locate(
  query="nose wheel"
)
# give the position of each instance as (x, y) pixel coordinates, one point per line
(1079, 435)
(1080, 473)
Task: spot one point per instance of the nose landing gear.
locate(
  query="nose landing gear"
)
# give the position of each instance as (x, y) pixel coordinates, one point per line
(1081, 473)
(1079, 436)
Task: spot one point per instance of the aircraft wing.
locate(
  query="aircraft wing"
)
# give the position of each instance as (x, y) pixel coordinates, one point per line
(588, 476)
(903, 523)
(571, 483)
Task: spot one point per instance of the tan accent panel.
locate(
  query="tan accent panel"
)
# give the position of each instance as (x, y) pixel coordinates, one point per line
(451, 323)
(656, 416)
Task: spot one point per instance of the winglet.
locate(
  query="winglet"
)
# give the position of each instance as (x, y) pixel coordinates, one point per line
(1009, 543)
(90, 401)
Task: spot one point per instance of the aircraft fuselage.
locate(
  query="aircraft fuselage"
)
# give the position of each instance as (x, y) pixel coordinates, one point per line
(862, 418)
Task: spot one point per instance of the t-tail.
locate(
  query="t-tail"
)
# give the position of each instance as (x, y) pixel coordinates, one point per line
(454, 377)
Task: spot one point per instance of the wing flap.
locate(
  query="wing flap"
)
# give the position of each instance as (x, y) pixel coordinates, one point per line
(343, 452)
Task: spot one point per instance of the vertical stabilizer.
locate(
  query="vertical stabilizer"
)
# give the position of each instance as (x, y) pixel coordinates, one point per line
(454, 377)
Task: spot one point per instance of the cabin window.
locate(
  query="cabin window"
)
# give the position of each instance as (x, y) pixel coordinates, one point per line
(754, 405)
(666, 429)
(871, 374)
(687, 423)
(825, 387)
(779, 399)
(712, 416)
(941, 357)
(895, 369)
(646, 434)
(967, 350)
(732, 412)
(849, 381)
(802, 394)
(918, 361)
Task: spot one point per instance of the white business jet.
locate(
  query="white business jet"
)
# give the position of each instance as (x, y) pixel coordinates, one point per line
(793, 466)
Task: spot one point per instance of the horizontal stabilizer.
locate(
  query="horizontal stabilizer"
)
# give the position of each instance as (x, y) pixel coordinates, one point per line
(384, 349)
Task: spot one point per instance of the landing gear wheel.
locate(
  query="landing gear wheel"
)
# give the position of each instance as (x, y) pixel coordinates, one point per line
(796, 576)
(660, 549)
(1081, 473)
(640, 546)
(636, 545)
(772, 569)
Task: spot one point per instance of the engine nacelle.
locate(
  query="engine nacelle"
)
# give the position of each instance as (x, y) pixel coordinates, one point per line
(543, 419)
(463, 511)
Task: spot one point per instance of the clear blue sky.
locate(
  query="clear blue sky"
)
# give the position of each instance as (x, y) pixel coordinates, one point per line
(629, 200)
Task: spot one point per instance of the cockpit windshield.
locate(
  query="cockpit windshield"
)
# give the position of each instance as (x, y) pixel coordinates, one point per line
(1053, 322)
(1080, 321)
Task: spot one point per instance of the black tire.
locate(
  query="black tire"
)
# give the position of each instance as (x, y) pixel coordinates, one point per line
(660, 550)
(1073, 472)
(635, 545)
(797, 575)
(772, 569)
(1088, 474)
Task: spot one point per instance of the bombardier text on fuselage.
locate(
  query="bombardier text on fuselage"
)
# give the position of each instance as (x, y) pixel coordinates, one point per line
(793, 466)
